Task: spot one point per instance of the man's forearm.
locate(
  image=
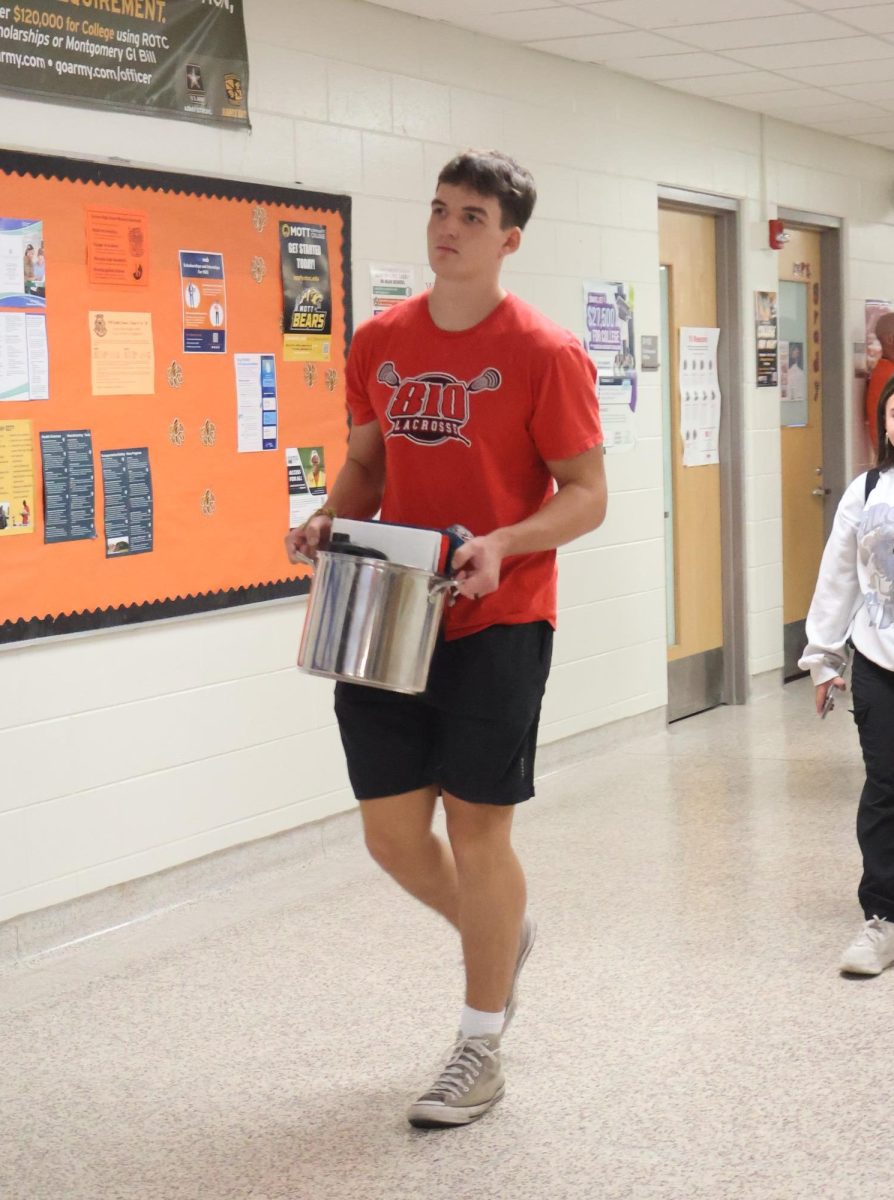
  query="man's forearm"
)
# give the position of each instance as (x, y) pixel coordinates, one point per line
(574, 510)
(357, 491)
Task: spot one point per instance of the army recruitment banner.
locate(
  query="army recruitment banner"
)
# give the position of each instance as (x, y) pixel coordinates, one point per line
(170, 58)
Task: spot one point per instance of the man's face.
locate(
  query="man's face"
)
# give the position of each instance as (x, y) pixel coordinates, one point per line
(466, 242)
(889, 420)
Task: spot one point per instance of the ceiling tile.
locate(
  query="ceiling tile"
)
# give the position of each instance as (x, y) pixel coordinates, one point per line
(827, 64)
(767, 31)
(835, 74)
(879, 139)
(789, 99)
(540, 23)
(610, 45)
(876, 89)
(739, 83)
(674, 66)
(831, 5)
(810, 114)
(655, 14)
(881, 123)
(874, 18)
(852, 110)
(811, 54)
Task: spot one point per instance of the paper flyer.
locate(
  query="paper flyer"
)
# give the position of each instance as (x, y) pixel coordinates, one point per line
(700, 401)
(204, 293)
(609, 341)
(117, 247)
(301, 503)
(122, 354)
(256, 404)
(24, 359)
(69, 487)
(792, 385)
(305, 466)
(390, 285)
(16, 478)
(766, 333)
(127, 502)
(874, 310)
(306, 292)
(23, 264)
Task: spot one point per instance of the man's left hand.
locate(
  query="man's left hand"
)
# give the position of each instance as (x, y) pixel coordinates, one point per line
(476, 566)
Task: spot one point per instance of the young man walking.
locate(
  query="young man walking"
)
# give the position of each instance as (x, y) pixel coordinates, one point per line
(468, 407)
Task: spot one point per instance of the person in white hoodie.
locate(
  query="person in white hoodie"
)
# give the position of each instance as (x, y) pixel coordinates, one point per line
(854, 602)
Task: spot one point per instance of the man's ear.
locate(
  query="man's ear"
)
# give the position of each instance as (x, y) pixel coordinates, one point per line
(512, 241)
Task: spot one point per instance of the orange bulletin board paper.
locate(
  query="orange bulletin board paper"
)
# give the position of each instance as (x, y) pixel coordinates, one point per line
(219, 516)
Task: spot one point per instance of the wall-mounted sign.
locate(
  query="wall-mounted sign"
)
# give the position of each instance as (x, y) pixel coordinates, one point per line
(648, 347)
(168, 58)
(609, 341)
(766, 334)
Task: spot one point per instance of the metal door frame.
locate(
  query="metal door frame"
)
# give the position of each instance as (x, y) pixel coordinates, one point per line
(837, 429)
(837, 432)
(729, 255)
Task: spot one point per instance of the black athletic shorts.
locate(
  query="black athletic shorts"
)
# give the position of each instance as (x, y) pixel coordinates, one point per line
(472, 732)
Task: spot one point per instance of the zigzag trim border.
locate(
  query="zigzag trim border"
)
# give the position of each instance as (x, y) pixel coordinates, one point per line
(97, 619)
(151, 179)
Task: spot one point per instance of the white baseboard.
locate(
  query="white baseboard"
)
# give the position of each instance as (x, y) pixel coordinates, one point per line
(32, 934)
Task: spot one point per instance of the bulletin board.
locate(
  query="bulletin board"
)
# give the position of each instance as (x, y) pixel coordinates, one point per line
(217, 512)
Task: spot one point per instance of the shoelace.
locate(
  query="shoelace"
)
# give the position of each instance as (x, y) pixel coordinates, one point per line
(876, 929)
(464, 1064)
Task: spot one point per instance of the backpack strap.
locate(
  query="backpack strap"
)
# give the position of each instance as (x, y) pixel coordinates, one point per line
(872, 478)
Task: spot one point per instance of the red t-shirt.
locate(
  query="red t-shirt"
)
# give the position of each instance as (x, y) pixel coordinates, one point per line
(881, 373)
(469, 420)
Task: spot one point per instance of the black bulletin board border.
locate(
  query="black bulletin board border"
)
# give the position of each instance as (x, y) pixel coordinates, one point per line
(12, 632)
(87, 171)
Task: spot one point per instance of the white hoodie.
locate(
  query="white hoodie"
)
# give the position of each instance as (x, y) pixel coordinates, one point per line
(855, 590)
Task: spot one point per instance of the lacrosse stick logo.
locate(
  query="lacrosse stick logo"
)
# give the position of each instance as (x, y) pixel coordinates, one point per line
(433, 408)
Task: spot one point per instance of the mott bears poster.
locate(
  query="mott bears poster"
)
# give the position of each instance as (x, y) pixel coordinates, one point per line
(306, 293)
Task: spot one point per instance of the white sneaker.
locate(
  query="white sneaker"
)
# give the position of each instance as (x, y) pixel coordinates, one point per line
(872, 950)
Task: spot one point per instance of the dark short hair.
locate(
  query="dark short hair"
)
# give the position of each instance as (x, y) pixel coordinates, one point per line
(885, 459)
(490, 173)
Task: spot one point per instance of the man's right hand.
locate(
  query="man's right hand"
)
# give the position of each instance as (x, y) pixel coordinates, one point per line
(304, 542)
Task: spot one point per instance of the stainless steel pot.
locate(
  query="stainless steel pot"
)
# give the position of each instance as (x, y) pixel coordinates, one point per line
(371, 621)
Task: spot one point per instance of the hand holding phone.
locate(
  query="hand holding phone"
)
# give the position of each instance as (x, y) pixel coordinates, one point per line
(829, 702)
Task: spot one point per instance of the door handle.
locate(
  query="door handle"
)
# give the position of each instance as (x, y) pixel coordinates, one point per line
(821, 492)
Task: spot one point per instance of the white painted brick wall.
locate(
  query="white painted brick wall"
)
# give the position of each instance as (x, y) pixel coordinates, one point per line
(128, 752)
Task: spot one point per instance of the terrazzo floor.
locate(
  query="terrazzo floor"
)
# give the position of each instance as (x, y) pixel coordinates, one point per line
(683, 1031)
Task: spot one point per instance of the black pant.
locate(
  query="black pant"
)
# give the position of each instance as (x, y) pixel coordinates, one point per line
(873, 689)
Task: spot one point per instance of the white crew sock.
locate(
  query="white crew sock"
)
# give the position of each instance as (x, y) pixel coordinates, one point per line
(475, 1023)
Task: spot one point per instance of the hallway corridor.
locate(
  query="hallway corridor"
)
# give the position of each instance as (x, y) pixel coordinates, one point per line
(683, 1032)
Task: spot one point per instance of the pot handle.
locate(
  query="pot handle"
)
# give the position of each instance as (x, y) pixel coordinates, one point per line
(440, 584)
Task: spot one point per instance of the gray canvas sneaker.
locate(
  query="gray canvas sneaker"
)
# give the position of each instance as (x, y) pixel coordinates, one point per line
(470, 1084)
(528, 934)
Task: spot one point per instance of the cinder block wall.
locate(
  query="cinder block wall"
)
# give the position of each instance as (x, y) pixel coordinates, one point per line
(124, 753)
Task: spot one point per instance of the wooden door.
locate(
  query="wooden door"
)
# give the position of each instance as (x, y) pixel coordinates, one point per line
(687, 243)
(803, 488)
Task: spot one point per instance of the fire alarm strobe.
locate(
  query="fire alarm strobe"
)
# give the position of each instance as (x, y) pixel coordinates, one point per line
(778, 236)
